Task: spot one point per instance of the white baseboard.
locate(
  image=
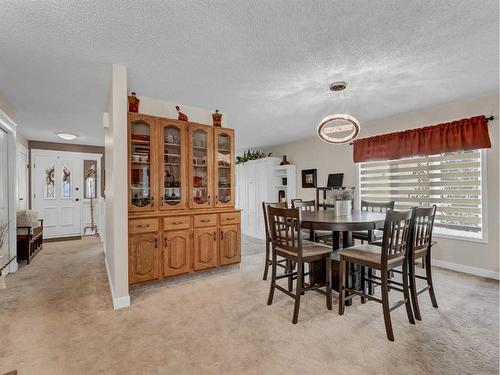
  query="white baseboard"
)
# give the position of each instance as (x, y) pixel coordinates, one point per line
(118, 302)
(466, 269)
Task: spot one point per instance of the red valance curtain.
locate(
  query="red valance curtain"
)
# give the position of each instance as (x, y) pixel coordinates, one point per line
(465, 134)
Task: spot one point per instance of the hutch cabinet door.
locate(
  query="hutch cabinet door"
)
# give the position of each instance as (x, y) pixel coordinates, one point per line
(229, 244)
(172, 162)
(224, 167)
(142, 169)
(143, 258)
(200, 165)
(176, 246)
(205, 248)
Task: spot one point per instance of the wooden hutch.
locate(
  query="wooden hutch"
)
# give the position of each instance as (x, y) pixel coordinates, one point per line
(181, 215)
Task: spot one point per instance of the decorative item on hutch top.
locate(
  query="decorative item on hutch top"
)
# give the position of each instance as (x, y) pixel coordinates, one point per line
(340, 127)
(182, 116)
(217, 118)
(284, 161)
(133, 103)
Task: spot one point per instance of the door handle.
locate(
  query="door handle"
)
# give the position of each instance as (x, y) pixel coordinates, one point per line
(215, 236)
(77, 199)
(156, 243)
(221, 235)
(21, 199)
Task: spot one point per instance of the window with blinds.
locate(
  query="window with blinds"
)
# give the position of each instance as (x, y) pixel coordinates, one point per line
(451, 181)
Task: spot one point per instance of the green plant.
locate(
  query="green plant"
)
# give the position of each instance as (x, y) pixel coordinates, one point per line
(251, 155)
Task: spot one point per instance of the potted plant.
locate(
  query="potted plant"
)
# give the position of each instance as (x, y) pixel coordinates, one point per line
(343, 200)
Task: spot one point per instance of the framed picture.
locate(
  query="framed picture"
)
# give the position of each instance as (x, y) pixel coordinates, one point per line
(309, 178)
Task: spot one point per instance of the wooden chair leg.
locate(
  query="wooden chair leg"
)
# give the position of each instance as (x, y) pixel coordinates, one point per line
(363, 299)
(328, 282)
(371, 289)
(406, 293)
(428, 272)
(413, 290)
(342, 266)
(289, 269)
(298, 292)
(384, 290)
(266, 267)
(273, 279)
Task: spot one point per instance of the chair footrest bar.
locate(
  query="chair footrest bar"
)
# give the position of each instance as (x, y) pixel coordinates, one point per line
(361, 294)
(279, 287)
(286, 275)
(424, 289)
(396, 305)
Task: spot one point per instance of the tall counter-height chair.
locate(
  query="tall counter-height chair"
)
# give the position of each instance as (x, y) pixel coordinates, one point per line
(372, 207)
(283, 263)
(393, 253)
(286, 225)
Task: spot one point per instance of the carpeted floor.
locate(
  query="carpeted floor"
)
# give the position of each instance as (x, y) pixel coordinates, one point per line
(56, 317)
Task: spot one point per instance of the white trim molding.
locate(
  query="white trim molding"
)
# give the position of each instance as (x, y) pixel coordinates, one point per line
(118, 302)
(9, 126)
(465, 269)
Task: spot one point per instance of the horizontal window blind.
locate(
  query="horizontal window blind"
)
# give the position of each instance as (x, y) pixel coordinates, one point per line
(451, 181)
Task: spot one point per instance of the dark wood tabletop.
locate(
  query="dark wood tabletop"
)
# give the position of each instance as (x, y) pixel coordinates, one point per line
(356, 220)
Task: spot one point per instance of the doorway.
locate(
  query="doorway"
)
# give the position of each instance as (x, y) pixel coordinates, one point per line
(57, 192)
(22, 167)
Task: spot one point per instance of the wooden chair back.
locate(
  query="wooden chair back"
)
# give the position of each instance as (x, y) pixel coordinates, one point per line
(285, 225)
(396, 235)
(295, 200)
(304, 205)
(422, 225)
(377, 206)
(265, 205)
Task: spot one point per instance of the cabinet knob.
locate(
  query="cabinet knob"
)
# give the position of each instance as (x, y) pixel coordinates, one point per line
(152, 200)
(215, 236)
(156, 243)
(221, 235)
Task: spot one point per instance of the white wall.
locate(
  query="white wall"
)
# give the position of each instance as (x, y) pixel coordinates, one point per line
(472, 257)
(115, 144)
(161, 108)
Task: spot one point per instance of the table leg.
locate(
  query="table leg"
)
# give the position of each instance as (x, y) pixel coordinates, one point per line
(335, 241)
(346, 239)
(311, 235)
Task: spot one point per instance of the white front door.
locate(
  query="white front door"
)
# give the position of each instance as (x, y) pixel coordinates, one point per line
(4, 200)
(22, 177)
(57, 182)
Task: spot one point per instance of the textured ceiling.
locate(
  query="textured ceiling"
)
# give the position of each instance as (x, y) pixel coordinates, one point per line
(266, 64)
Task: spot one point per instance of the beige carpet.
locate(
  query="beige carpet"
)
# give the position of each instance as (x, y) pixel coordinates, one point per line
(56, 318)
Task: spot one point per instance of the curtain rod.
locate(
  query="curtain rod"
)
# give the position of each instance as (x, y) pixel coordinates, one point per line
(488, 119)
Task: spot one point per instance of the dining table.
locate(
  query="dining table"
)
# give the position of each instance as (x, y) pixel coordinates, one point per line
(341, 227)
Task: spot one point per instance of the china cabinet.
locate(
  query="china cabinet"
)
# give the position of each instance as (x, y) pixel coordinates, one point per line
(181, 198)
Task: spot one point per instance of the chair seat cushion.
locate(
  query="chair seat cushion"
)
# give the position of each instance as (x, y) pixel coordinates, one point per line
(366, 253)
(309, 249)
(363, 234)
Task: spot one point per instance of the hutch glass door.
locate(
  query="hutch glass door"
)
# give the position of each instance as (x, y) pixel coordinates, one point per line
(172, 193)
(200, 160)
(141, 194)
(224, 168)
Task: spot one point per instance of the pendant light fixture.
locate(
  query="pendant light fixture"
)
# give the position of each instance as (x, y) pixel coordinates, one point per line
(341, 127)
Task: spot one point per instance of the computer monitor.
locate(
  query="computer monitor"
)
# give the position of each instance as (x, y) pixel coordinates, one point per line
(335, 180)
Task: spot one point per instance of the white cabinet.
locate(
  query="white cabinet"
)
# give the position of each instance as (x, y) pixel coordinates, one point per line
(260, 181)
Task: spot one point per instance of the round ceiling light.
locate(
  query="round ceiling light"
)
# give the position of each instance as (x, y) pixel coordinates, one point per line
(341, 127)
(67, 136)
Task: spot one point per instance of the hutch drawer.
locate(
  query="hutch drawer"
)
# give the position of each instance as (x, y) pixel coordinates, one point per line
(142, 226)
(208, 220)
(230, 218)
(176, 222)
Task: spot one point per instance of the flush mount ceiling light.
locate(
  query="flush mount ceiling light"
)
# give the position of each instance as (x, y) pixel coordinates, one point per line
(67, 136)
(341, 127)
